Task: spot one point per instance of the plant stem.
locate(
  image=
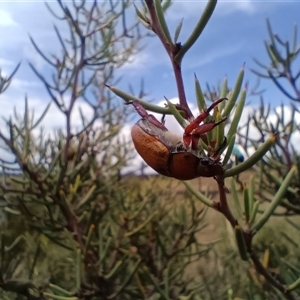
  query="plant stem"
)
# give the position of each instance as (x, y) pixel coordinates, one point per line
(172, 50)
(263, 271)
(180, 88)
(223, 207)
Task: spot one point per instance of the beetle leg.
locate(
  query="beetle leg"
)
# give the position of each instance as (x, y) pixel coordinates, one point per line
(195, 123)
(156, 123)
(215, 104)
(139, 108)
(163, 119)
(193, 131)
(204, 128)
(144, 114)
(191, 140)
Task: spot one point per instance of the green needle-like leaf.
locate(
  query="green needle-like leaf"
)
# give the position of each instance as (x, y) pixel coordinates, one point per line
(210, 7)
(254, 212)
(294, 285)
(234, 94)
(272, 57)
(56, 297)
(78, 269)
(127, 97)
(276, 200)
(224, 90)
(162, 21)
(253, 159)
(240, 240)
(197, 194)
(251, 190)
(125, 282)
(156, 284)
(115, 268)
(174, 111)
(247, 204)
(88, 238)
(141, 15)
(295, 36)
(235, 197)
(141, 226)
(231, 143)
(177, 31)
(59, 289)
(87, 197)
(219, 130)
(14, 243)
(199, 95)
(237, 115)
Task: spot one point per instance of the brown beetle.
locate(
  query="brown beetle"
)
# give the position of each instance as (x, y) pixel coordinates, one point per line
(170, 155)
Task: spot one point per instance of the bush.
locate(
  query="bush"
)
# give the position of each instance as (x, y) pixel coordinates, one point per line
(76, 228)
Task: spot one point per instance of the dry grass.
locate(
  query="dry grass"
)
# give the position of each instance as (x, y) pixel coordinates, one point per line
(217, 225)
(223, 264)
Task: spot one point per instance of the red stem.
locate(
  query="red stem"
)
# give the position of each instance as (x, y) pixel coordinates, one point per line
(223, 207)
(172, 50)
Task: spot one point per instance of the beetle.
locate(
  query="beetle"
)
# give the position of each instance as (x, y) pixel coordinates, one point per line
(171, 155)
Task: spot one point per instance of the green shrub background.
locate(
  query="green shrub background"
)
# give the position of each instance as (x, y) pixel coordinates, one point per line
(75, 227)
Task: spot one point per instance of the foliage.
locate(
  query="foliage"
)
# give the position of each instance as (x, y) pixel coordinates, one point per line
(248, 220)
(76, 228)
(274, 168)
(283, 120)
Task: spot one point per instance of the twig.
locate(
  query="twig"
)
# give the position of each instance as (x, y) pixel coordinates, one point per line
(223, 207)
(172, 51)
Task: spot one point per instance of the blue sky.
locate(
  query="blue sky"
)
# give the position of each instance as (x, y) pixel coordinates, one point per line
(233, 36)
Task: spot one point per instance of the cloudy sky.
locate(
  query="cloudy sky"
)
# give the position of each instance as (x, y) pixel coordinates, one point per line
(234, 36)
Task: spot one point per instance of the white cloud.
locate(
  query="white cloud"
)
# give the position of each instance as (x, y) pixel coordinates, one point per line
(147, 59)
(54, 119)
(278, 111)
(139, 61)
(21, 84)
(6, 63)
(6, 19)
(170, 121)
(19, 19)
(284, 112)
(22, 18)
